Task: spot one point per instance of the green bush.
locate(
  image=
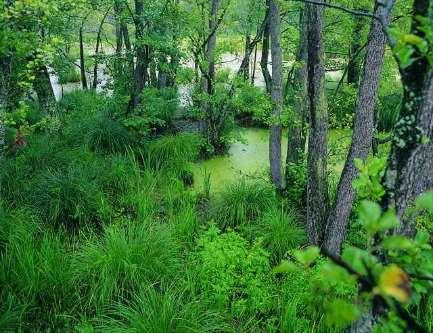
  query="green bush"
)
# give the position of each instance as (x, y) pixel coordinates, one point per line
(233, 275)
(35, 272)
(163, 312)
(174, 152)
(70, 198)
(388, 111)
(252, 105)
(280, 231)
(242, 203)
(106, 134)
(113, 267)
(342, 108)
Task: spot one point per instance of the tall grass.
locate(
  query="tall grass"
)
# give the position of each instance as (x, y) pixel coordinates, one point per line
(243, 202)
(164, 312)
(114, 267)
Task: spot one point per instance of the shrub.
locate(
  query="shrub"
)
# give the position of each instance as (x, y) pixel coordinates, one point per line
(342, 108)
(70, 198)
(280, 232)
(388, 111)
(113, 267)
(243, 202)
(35, 271)
(156, 111)
(174, 152)
(106, 134)
(162, 312)
(233, 275)
(296, 180)
(252, 102)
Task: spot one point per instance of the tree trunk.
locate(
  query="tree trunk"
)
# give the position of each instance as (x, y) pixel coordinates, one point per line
(276, 96)
(43, 88)
(98, 43)
(140, 74)
(82, 61)
(208, 78)
(253, 72)
(362, 135)
(265, 51)
(355, 64)
(409, 167)
(118, 27)
(247, 55)
(317, 184)
(296, 128)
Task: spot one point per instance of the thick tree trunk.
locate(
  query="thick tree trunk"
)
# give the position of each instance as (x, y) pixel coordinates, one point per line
(43, 88)
(409, 166)
(276, 96)
(253, 71)
(296, 128)
(362, 135)
(82, 61)
(265, 51)
(355, 64)
(317, 184)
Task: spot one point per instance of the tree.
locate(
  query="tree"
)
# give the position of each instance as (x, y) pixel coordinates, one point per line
(276, 96)
(297, 126)
(410, 163)
(317, 184)
(362, 132)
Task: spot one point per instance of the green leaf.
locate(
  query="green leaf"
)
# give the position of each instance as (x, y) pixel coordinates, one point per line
(425, 201)
(369, 215)
(308, 256)
(285, 267)
(388, 220)
(341, 313)
(397, 242)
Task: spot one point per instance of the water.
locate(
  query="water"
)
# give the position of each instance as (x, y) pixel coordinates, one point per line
(249, 157)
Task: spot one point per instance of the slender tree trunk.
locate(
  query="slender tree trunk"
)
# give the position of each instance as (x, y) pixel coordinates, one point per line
(118, 27)
(265, 51)
(317, 184)
(162, 72)
(362, 135)
(140, 75)
(276, 96)
(247, 55)
(208, 79)
(98, 43)
(82, 61)
(355, 64)
(296, 128)
(253, 72)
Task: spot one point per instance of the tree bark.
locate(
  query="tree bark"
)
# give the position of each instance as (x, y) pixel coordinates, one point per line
(317, 184)
(98, 43)
(362, 134)
(43, 88)
(82, 61)
(409, 165)
(296, 128)
(265, 50)
(141, 68)
(208, 78)
(276, 96)
(247, 55)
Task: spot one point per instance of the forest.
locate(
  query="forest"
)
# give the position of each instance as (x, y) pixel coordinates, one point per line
(216, 166)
